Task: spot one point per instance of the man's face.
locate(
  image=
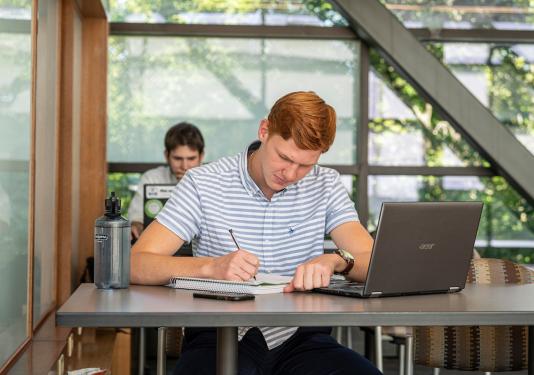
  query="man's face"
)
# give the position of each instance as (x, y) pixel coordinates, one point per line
(283, 162)
(183, 158)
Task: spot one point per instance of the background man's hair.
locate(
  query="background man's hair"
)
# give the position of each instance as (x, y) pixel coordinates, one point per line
(184, 134)
(306, 118)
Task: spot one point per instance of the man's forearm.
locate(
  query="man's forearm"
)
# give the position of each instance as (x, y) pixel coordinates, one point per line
(155, 269)
(361, 265)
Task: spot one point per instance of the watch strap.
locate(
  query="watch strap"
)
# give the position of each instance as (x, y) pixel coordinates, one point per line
(348, 259)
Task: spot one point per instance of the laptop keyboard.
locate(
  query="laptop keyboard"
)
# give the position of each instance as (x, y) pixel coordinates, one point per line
(343, 288)
(346, 285)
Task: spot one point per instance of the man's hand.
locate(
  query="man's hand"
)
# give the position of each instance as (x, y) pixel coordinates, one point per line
(315, 273)
(239, 265)
(137, 228)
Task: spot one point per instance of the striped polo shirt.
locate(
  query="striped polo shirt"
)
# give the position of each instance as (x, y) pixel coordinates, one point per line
(283, 232)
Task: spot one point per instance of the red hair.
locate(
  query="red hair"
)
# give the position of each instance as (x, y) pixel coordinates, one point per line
(306, 118)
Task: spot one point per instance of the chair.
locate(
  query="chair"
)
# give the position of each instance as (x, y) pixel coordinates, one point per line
(401, 336)
(478, 348)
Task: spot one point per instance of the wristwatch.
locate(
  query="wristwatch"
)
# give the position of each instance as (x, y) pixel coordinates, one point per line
(348, 258)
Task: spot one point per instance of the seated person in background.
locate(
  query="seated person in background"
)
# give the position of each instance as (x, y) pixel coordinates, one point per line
(184, 149)
(280, 204)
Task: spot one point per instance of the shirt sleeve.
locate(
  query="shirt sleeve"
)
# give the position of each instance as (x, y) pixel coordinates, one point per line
(182, 214)
(340, 208)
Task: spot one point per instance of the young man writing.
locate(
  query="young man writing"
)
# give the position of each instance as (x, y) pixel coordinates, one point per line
(184, 149)
(279, 204)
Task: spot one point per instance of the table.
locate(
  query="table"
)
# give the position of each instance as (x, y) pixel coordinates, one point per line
(156, 306)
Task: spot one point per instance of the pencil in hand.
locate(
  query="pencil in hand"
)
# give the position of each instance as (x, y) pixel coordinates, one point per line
(236, 244)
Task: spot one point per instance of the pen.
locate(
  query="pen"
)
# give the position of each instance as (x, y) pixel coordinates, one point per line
(236, 244)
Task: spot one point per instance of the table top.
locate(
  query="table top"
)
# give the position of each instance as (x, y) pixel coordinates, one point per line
(159, 306)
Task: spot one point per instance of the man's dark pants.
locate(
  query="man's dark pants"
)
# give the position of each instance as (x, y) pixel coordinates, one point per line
(311, 350)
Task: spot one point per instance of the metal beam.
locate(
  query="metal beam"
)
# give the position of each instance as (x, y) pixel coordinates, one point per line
(125, 167)
(474, 35)
(396, 170)
(310, 32)
(381, 29)
(232, 31)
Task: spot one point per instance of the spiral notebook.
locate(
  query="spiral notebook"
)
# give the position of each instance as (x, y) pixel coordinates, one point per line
(264, 284)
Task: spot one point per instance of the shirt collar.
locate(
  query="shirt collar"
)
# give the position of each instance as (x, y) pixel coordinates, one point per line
(246, 180)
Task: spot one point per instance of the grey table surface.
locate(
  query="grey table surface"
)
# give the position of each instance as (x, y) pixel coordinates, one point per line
(158, 306)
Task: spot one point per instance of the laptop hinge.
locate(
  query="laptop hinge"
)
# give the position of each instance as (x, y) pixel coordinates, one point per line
(376, 294)
(454, 289)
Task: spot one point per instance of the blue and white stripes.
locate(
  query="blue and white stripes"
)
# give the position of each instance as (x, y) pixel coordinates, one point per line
(284, 232)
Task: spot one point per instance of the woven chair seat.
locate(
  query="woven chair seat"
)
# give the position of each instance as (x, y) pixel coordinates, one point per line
(478, 348)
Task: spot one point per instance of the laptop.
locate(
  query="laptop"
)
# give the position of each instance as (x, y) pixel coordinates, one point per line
(154, 198)
(419, 248)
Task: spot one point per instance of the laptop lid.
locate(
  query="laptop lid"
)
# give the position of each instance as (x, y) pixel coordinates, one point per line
(422, 247)
(154, 198)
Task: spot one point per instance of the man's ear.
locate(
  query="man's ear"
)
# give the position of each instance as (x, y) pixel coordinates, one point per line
(263, 130)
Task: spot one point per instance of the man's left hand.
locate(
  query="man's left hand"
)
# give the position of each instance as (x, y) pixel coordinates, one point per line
(315, 273)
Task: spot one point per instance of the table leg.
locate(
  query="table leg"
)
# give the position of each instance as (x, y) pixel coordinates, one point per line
(227, 351)
(378, 348)
(161, 364)
(408, 359)
(142, 351)
(530, 350)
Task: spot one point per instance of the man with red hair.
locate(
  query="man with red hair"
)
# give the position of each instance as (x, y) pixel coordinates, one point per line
(280, 204)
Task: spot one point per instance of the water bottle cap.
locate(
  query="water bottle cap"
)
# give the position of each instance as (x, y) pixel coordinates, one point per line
(113, 206)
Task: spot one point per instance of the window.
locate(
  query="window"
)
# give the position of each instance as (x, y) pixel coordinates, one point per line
(225, 86)
(506, 228)
(15, 120)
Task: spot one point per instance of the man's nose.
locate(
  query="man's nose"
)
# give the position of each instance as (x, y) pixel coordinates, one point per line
(290, 173)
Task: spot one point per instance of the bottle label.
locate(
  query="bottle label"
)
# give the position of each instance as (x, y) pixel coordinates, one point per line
(101, 237)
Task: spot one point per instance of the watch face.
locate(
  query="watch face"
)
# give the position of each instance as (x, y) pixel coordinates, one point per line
(345, 254)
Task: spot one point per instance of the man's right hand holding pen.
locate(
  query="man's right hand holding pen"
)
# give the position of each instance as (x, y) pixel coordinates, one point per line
(239, 265)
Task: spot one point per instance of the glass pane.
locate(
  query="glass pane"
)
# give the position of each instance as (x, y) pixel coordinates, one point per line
(15, 100)
(225, 87)
(44, 276)
(502, 78)
(462, 14)
(404, 130)
(507, 224)
(228, 12)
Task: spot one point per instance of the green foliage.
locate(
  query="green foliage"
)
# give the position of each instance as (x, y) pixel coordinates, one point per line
(438, 134)
(436, 14)
(512, 88)
(17, 4)
(122, 184)
(171, 10)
